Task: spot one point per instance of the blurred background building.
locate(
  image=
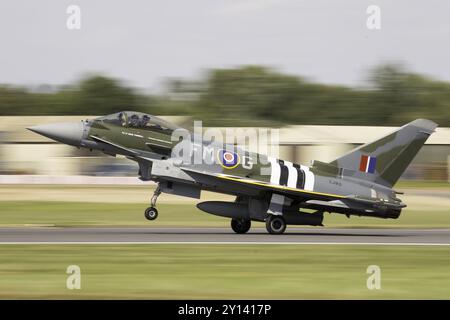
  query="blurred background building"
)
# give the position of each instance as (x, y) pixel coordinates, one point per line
(26, 157)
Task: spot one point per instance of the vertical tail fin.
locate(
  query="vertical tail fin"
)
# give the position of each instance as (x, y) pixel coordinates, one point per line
(384, 160)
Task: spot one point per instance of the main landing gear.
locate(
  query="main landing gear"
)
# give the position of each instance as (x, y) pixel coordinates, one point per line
(151, 213)
(240, 225)
(275, 224)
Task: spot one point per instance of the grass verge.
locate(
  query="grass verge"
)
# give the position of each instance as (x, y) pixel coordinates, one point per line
(71, 214)
(224, 271)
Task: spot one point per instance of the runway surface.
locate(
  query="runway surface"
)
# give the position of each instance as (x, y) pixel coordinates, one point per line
(121, 235)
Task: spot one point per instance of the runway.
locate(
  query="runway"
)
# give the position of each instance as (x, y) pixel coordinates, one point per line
(139, 235)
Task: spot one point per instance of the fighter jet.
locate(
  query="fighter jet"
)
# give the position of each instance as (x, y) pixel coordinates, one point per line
(269, 190)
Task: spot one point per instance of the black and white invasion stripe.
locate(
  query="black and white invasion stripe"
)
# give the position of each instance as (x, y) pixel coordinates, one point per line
(285, 173)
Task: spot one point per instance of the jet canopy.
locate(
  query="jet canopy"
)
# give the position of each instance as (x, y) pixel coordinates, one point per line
(140, 120)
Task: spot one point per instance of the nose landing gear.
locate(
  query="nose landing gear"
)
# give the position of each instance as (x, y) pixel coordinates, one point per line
(151, 213)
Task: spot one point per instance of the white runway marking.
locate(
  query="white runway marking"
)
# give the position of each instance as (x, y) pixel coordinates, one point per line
(222, 243)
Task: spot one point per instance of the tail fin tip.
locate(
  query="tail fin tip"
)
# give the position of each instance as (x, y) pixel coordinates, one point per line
(426, 125)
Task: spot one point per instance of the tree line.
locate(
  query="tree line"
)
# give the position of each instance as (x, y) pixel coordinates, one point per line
(249, 96)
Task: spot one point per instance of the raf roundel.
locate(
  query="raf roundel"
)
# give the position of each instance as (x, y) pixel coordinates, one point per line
(228, 159)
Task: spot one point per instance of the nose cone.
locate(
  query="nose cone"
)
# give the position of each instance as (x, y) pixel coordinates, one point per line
(65, 132)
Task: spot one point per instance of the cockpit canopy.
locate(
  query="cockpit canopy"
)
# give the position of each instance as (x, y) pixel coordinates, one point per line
(141, 120)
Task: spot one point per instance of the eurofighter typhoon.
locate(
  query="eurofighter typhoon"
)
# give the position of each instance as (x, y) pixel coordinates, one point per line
(267, 189)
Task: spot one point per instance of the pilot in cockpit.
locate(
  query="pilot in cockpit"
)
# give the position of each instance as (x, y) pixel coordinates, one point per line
(145, 120)
(134, 120)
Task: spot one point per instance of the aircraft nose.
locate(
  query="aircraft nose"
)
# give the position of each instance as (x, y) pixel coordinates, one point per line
(65, 132)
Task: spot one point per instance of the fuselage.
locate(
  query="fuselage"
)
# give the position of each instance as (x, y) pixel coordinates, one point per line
(139, 136)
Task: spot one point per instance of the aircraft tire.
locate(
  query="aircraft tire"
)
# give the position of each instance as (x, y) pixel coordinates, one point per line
(240, 226)
(151, 213)
(275, 224)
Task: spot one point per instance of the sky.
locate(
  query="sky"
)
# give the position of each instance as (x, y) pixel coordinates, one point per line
(146, 42)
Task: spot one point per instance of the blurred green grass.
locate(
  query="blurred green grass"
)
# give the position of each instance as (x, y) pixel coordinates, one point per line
(224, 271)
(72, 214)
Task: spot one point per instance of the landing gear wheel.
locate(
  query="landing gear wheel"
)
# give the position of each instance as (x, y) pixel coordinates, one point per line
(275, 224)
(151, 213)
(240, 226)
